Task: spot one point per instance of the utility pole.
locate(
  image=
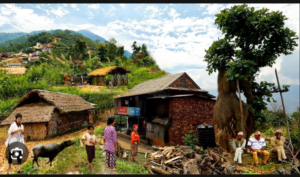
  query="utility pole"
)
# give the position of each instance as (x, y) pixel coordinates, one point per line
(287, 123)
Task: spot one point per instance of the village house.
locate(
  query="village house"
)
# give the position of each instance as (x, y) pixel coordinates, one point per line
(10, 65)
(38, 46)
(115, 74)
(166, 108)
(74, 80)
(32, 59)
(5, 55)
(47, 113)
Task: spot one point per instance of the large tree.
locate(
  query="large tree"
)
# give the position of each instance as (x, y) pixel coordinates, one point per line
(253, 39)
(78, 51)
(102, 52)
(111, 49)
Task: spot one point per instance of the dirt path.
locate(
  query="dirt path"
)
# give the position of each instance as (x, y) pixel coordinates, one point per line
(125, 143)
(30, 145)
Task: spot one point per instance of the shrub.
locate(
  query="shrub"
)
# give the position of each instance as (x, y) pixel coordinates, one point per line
(190, 140)
(270, 131)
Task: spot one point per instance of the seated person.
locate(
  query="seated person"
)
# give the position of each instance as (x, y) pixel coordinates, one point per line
(277, 144)
(238, 145)
(257, 146)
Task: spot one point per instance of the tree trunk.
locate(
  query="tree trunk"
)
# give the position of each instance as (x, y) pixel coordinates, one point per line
(227, 115)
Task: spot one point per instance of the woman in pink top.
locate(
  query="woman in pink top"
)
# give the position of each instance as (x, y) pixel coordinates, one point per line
(110, 137)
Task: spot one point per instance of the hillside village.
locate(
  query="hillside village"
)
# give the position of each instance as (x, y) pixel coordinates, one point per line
(62, 82)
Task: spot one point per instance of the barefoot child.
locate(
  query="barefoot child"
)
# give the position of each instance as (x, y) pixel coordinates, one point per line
(90, 142)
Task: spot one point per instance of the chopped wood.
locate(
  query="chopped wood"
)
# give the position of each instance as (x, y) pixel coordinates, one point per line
(173, 159)
(154, 163)
(185, 160)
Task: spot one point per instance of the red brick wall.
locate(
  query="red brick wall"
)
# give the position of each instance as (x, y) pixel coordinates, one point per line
(189, 83)
(185, 114)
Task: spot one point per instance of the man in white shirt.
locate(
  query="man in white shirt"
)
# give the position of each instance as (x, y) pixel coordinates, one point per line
(238, 145)
(257, 146)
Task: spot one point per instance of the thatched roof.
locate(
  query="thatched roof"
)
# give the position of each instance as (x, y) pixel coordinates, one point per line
(65, 103)
(31, 113)
(107, 70)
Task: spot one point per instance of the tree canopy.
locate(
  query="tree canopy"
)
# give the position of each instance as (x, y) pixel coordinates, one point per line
(253, 39)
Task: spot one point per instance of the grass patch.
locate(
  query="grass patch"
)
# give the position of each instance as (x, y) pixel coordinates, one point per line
(72, 158)
(249, 172)
(123, 167)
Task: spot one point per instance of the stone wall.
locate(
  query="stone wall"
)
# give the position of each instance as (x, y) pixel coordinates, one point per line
(185, 114)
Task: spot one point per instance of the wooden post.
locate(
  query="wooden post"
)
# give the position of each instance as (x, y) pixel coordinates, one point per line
(287, 123)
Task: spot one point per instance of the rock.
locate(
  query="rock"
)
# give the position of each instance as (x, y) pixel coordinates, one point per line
(230, 169)
(281, 171)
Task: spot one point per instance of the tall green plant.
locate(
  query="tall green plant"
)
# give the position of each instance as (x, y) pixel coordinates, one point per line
(190, 140)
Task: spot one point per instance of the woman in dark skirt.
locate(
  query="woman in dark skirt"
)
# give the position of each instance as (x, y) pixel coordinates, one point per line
(135, 140)
(110, 136)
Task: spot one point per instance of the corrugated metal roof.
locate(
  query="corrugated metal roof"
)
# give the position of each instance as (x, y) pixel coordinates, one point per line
(153, 85)
(160, 121)
(157, 85)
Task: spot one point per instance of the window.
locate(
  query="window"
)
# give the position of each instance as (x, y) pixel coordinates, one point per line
(183, 82)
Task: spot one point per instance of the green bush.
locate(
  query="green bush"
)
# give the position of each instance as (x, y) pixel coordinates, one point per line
(270, 131)
(190, 140)
(295, 136)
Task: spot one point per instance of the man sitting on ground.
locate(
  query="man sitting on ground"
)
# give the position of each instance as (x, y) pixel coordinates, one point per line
(257, 146)
(277, 143)
(238, 145)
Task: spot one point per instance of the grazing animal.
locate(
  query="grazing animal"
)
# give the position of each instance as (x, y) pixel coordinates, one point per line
(50, 151)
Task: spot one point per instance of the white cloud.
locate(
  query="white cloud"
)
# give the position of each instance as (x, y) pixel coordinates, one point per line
(113, 8)
(201, 77)
(173, 13)
(38, 6)
(138, 7)
(74, 6)
(122, 5)
(152, 11)
(213, 9)
(24, 19)
(59, 12)
(94, 6)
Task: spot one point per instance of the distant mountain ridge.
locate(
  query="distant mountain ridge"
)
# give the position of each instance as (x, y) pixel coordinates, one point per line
(20, 37)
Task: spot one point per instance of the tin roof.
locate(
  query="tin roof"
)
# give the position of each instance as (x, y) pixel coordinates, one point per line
(160, 121)
(156, 85)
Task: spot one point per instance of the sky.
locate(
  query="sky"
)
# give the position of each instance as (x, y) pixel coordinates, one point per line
(176, 35)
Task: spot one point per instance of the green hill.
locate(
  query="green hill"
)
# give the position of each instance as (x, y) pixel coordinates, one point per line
(9, 41)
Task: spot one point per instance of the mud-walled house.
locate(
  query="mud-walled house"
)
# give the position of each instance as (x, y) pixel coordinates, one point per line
(115, 74)
(166, 108)
(47, 113)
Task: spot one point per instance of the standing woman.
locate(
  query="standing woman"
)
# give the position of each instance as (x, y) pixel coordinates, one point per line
(110, 137)
(15, 133)
(135, 140)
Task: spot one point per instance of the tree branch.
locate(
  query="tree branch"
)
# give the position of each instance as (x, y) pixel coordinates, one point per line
(261, 94)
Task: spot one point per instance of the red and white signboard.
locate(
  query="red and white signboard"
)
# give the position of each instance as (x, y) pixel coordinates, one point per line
(122, 110)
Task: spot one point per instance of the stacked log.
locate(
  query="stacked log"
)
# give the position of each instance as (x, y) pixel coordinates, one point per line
(186, 114)
(184, 160)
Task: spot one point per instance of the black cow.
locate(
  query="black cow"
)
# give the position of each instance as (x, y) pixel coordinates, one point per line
(50, 151)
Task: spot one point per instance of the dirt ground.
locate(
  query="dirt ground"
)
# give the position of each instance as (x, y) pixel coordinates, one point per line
(30, 145)
(125, 143)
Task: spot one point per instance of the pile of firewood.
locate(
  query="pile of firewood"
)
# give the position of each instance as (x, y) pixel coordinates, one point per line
(184, 160)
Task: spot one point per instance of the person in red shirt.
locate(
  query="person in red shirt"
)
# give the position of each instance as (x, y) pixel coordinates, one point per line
(135, 140)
